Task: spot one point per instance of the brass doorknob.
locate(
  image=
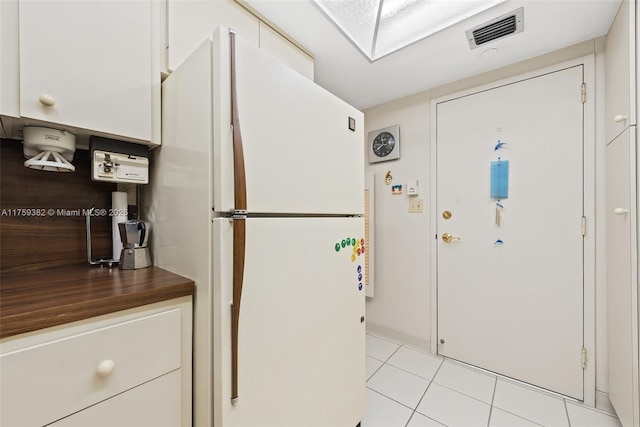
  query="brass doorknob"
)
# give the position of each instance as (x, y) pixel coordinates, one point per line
(448, 238)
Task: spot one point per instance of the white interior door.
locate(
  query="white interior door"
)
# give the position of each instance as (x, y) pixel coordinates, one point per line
(510, 291)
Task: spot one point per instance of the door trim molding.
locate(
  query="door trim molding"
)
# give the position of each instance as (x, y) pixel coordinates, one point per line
(589, 188)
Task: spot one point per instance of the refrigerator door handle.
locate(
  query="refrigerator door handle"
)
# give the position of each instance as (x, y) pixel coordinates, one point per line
(239, 223)
(239, 177)
(239, 227)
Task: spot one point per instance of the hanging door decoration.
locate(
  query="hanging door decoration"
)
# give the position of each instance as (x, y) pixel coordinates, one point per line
(499, 185)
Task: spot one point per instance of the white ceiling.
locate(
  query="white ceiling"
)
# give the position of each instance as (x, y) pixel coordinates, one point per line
(439, 59)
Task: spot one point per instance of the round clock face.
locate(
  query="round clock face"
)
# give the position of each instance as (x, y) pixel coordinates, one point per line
(383, 144)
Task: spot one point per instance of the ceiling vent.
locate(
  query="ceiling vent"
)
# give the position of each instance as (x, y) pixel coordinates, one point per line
(505, 25)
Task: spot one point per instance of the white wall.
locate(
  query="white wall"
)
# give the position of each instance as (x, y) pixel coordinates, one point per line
(401, 307)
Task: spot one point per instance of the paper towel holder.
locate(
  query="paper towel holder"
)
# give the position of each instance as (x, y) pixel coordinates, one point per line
(109, 262)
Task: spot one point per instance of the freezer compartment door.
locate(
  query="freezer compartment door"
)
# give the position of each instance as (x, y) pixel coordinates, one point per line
(301, 353)
(300, 154)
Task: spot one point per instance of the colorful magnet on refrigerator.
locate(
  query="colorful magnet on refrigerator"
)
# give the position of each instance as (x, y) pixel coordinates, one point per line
(359, 269)
(396, 189)
(388, 178)
(353, 258)
(337, 247)
(359, 286)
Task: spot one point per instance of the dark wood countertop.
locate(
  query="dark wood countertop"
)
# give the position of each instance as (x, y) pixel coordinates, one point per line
(40, 299)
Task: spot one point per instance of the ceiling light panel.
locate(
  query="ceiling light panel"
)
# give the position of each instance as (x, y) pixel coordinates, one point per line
(356, 19)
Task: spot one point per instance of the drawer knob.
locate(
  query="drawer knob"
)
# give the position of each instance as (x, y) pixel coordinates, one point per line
(105, 368)
(47, 100)
(620, 211)
(620, 118)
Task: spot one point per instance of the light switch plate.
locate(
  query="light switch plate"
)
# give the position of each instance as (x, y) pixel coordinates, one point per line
(416, 206)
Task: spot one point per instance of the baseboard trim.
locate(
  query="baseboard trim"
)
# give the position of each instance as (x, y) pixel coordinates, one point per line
(603, 403)
(400, 337)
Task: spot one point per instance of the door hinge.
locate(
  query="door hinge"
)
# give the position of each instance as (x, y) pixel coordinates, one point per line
(583, 92)
(584, 358)
(583, 226)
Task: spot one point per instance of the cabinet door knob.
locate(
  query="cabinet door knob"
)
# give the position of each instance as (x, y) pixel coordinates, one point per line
(47, 100)
(620, 211)
(106, 367)
(620, 118)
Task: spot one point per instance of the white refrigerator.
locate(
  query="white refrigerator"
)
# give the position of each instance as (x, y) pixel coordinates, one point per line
(257, 194)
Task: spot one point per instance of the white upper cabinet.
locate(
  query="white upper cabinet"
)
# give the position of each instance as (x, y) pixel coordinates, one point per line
(88, 66)
(189, 22)
(272, 42)
(9, 66)
(620, 71)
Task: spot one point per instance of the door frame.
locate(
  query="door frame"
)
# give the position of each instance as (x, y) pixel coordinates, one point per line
(589, 183)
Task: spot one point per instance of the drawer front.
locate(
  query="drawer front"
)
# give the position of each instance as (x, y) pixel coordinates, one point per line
(43, 383)
(152, 404)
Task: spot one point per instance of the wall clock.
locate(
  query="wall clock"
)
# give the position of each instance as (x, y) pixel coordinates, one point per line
(384, 144)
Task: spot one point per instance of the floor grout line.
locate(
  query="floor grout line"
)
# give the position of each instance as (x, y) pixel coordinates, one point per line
(396, 350)
(461, 393)
(390, 398)
(520, 416)
(425, 393)
(376, 371)
(472, 368)
(409, 372)
(493, 397)
(566, 411)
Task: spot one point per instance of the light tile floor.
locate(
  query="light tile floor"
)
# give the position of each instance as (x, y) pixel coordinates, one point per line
(408, 387)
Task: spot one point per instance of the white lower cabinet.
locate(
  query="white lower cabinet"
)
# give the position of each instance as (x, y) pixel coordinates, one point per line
(152, 404)
(134, 366)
